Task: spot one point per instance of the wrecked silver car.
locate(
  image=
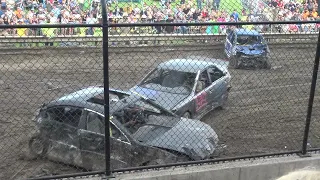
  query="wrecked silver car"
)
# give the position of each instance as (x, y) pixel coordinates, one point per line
(71, 130)
(190, 87)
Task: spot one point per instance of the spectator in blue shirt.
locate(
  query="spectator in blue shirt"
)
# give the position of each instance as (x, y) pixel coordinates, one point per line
(235, 15)
(56, 11)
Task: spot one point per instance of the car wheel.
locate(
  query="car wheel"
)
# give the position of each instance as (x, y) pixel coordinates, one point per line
(38, 146)
(224, 101)
(267, 64)
(234, 63)
(187, 115)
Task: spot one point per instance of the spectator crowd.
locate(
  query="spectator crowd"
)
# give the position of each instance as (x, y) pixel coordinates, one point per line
(78, 11)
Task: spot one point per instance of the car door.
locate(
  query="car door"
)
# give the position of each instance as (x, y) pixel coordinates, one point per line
(229, 43)
(201, 99)
(92, 143)
(62, 130)
(218, 86)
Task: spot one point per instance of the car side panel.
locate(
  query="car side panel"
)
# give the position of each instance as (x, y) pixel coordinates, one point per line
(123, 153)
(63, 144)
(63, 141)
(210, 98)
(219, 87)
(93, 151)
(201, 103)
(187, 107)
(196, 104)
(228, 45)
(202, 100)
(93, 147)
(142, 155)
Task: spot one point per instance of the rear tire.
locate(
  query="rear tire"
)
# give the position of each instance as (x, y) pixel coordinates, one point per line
(187, 115)
(234, 63)
(267, 64)
(224, 102)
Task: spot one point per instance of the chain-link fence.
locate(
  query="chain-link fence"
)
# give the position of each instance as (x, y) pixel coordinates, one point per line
(240, 93)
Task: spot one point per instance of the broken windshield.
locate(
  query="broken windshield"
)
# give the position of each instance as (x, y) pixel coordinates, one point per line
(170, 81)
(248, 40)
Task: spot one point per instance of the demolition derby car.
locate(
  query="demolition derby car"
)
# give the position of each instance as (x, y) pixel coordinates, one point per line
(190, 88)
(247, 49)
(71, 130)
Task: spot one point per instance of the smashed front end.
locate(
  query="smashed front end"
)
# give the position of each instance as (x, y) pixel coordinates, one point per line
(54, 142)
(252, 56)
(251, 60)
(192, 138)
(250, 52)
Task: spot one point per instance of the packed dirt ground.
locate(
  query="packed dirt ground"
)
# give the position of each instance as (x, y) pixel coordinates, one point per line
(266, 111)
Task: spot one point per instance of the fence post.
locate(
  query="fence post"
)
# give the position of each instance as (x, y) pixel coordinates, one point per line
(106, 86)
(311, 98)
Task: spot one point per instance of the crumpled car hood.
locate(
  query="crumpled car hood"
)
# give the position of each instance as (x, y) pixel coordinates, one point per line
(165, 99)
(256, 49)
(191, 137)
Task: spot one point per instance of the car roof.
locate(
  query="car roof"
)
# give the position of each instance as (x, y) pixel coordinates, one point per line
(185, 65)
(91, 98)
(247, 32)
(80, 98)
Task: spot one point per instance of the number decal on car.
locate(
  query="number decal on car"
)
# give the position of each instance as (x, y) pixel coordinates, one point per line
(201, 101)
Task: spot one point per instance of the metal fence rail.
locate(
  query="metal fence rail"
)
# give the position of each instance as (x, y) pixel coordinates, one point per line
(146, 39)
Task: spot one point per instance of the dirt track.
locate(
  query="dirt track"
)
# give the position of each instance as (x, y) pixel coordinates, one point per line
(266, 111)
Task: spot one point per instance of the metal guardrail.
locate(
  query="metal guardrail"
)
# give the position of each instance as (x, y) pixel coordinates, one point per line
(146, 39)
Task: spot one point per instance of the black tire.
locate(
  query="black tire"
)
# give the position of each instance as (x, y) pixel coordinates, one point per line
(234, 63)
(225, 103)
(187, 115)
(267, 64)
(38, 146)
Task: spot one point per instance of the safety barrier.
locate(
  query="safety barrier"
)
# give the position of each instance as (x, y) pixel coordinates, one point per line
(146, 39)
(272, 108)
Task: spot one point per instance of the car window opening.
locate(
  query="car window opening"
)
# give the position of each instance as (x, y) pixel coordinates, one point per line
(215, 74)
(170, 81)
(95, 123)
(247, 40)
(68, 115)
